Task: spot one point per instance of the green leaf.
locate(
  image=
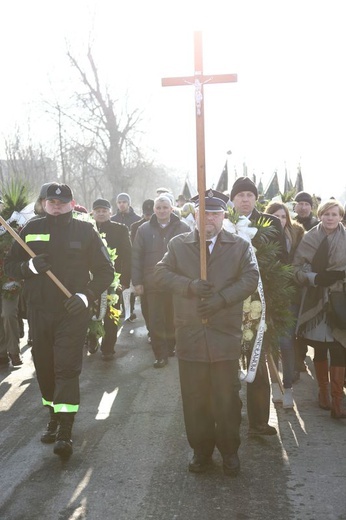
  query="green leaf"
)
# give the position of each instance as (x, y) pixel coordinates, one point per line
(16, 195)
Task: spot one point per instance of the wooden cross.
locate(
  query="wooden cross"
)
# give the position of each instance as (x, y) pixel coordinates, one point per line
(199, 80)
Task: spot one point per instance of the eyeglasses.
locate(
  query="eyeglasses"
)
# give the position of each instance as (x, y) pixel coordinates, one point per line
(214, 214)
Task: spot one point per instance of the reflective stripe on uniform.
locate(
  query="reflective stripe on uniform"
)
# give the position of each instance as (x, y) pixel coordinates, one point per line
(37, 238)
(68, 408)
(47, 403)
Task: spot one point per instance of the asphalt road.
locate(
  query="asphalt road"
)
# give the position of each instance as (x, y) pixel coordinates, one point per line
(130, 451)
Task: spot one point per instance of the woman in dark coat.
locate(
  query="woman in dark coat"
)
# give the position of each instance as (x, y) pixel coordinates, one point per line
(293, 232)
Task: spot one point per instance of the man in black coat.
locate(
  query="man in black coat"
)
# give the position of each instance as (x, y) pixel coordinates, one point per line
(303, 208)
(244, 195)
(148, 210)
(126, 215)
(149, 247)
(117, 237)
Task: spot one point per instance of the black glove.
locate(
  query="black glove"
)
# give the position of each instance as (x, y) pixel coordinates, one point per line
(200, 288)
(75, 305)
(210, 306)
(327, 278)
(40, 263)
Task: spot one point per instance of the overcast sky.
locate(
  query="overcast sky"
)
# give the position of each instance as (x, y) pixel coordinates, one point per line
(288, 106)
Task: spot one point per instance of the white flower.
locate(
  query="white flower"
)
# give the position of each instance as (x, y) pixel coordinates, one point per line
(248, 335)
(247, 304)
(256, 307)
(242, 227)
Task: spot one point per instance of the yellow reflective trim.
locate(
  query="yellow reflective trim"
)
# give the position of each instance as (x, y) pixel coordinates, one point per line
(47, 403)
(66, 408)
(37, 238)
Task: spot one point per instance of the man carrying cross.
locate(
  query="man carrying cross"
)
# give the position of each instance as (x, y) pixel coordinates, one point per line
(208, 319)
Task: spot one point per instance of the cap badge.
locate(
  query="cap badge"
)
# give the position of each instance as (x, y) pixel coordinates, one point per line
(58, 191)
(210, 193)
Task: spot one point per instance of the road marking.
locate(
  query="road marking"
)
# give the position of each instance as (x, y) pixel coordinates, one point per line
(106, 404)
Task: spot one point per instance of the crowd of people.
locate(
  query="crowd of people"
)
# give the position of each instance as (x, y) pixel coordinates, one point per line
(80, 263)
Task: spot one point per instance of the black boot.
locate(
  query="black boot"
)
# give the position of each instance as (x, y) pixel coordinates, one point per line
(48, 436)
(63, 442)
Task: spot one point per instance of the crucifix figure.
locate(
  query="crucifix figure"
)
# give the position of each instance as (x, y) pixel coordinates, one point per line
(199, 80)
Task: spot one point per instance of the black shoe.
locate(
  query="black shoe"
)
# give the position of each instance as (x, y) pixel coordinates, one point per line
(92, 344)
(231, 465)
(63, 442)
(264, 429)
(16, 360)
(160, 363)
(63, 448)
(49, 436)
(171, 353)
(199, 463)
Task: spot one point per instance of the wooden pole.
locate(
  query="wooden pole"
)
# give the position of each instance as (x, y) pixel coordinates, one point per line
(273, 370)
(198, 80)
(200, 140)
(32, 254)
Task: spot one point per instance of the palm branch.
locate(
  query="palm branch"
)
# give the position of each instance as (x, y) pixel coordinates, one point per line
(15, 194)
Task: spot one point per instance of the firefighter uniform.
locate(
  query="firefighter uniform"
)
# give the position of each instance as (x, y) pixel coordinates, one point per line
(77, 256)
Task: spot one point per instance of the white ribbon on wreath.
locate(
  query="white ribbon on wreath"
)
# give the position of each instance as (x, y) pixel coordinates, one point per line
(20, 217)
(103, 304)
